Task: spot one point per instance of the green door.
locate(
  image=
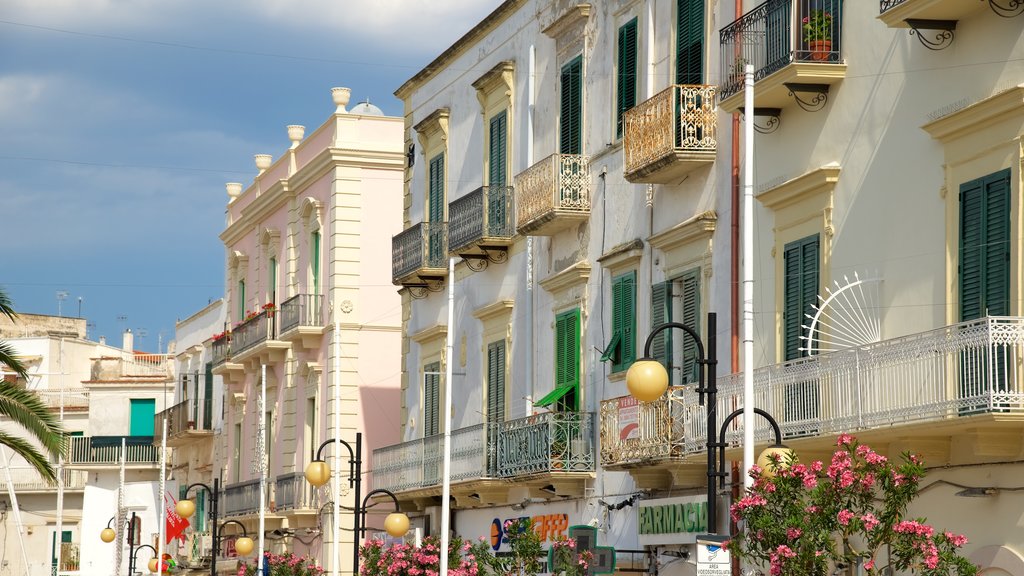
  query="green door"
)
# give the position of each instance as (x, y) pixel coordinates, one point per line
(65, 543)
(143, 414)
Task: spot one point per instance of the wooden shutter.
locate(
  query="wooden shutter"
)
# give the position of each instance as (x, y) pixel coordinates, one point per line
(985, 246)
(690, 316)
(314, 259)
(496, 381)
(431, 399)
(800, 290)
(661, 312)
(435, 198)
(690, 41)
(571, 126)
(497, 155)
(626, 73)
(624, 319)
(567, 356)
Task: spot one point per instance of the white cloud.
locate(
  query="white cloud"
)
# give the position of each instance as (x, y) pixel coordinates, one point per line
(20, 94)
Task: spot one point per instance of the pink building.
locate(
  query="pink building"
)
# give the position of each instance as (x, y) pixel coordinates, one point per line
(307, 273)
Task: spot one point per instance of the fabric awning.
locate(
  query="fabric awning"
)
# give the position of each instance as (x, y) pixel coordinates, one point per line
(555, 395)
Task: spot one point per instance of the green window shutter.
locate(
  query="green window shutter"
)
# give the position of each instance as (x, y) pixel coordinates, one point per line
(314, 259)
(496, 381)
(272, 280)
(435, 199)
(567, 356)
(800, 290)
(624, 320)
(143, 416)
(661, 312)
(690, 41)
(690, 296)
(497, 155)
(571, 126)
(241, 300)
(627, 73)
(984, 278)
(431, 399)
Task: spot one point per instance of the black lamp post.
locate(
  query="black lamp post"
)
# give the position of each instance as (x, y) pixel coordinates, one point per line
(243, 545)
(133, 561)
(318, 472)
(185, 508)
(108, 535)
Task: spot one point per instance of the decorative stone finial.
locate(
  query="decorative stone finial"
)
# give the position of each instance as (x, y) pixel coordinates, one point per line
(295, 134)
(341, 97)
(234, 191)
(263, 162)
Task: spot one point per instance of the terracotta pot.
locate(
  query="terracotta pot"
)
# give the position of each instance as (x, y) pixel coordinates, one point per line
(820, 49)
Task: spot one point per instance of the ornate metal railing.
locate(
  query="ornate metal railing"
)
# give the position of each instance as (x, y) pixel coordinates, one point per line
(107, 450)
(483, 213)
(422, 245)
(417, 464)
(252, 332)
(773, 35)
(560, 182)
(555, 441)
(888, 5)
(634, 431)
(193, 414)
(241, 498)
(301, 310)
(292, 492)
(681, 117)
(220, 351)
(955, 371)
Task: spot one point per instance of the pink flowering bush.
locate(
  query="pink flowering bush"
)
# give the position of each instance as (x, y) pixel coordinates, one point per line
(287, 564)
(525, 547)
(464, 558)
(802, 520)
(566, 560)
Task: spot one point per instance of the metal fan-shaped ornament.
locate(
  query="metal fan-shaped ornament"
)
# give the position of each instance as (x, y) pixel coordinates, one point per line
(848, 316)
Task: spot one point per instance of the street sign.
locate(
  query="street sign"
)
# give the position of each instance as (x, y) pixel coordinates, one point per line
(712, 558)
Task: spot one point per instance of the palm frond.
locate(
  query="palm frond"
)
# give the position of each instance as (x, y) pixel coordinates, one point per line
(34, 457)
(24, 407)
(8, 357)
(6, 306)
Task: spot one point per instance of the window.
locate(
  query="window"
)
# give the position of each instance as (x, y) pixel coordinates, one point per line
(622, 348)
(984, 272)
(626, 73)
(240, 293)
(237, 460)
(565, 396)
(800, 290)
(435, 209)
(143, 415)
(272, 280)
(497, 154)
(571, 127)
(690, 41)
(431, 399)
(496, 381)
(208, 398)
(677, 300)
(314, 261)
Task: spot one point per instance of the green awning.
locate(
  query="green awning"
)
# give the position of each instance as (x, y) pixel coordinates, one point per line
(611, 352)
(555, 395)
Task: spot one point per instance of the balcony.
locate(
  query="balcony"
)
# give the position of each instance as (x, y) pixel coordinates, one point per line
(187, 422)
(670, 135)
(26, 480)
(254, 340)
(791, 65)
(302, 320)
(910, 13)
(241, 498)
(480, 224)
(419, 255)
(293, 493)
(90, 452)
(553, 194)
(962, 381)
(550, 453)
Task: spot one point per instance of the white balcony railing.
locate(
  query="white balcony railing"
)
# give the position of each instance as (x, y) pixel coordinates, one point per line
(952, 372)
(106, 450)
(28, 480)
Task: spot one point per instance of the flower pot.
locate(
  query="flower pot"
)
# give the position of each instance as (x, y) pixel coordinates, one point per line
(820, 50)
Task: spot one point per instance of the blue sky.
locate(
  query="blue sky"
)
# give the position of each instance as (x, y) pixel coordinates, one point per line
(121, 120)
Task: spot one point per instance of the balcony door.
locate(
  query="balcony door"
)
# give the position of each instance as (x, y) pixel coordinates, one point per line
(496, 177)
(801, 263)
(435, 212)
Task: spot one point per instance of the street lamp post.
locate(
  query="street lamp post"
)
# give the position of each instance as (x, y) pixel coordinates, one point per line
(108, 535)
(186, 508)
(318, 472)
(133, 561)
(647, 380)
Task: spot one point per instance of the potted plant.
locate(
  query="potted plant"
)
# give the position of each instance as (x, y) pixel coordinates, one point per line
(818, 34)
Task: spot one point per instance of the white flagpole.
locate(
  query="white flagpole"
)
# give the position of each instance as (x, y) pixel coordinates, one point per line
(162, 499)
(446, 482)
(14, 506)
(263, 459)
(60, 465)
(748, 279)
(335, 470)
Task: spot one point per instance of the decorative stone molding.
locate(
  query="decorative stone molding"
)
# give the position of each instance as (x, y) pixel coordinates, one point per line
(498, 81)
(234, 190)
(295, 134)
(501, 307)
(433, 128)
(263, 161)
(310, 212)
(623, 256)
(341, 97)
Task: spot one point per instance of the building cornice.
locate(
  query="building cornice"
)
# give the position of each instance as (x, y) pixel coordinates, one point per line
(699, 227)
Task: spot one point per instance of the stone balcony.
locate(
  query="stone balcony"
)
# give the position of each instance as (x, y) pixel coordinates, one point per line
(553, 195)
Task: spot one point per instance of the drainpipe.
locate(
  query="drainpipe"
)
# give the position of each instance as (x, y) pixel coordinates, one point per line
(530, 105)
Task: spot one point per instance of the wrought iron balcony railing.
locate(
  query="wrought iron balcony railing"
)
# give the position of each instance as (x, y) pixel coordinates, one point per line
(241, 498)
(776, 34)
(253, 331)
(634, 432)
(106, 450)
(421, 247)
(555, 441)
(888, 4)
(221, 351)
(301, 310)
(552, 194)
(183, 417)
(953, 372)
(677, 125)
(484, 216)
(417, 463)
(293, 492)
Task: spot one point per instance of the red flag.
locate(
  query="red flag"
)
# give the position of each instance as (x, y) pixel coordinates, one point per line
(175, 527)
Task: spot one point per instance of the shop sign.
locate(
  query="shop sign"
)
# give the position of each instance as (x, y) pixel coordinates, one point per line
(672, 520)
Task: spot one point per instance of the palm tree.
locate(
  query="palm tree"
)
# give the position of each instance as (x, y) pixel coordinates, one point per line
(23, 407)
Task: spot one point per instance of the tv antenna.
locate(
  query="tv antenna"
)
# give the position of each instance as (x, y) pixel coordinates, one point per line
(61, 296)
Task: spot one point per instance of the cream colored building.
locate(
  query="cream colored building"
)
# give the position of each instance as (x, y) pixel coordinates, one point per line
(308, 303)
(581, 163)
